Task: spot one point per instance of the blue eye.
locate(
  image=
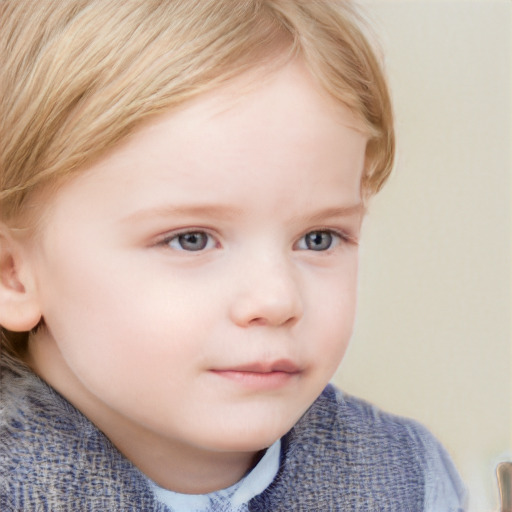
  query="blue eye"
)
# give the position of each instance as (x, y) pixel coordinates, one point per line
(191, 241)
(321, 240)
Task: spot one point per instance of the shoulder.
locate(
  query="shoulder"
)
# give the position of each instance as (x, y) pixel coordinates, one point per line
(345, 451)
(394, 444)
(49, 452)
(397, 438)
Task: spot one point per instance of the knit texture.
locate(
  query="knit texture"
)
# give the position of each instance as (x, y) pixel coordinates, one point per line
(343, 455)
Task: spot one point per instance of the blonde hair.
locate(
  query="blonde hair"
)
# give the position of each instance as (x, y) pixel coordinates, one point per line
(78, 76)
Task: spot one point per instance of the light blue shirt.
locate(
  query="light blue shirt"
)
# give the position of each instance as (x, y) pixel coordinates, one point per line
(233, 499)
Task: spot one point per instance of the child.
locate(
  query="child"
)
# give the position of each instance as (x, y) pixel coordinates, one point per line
(182, 190)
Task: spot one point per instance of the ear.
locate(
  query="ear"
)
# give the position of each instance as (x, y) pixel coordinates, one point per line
(19, 307)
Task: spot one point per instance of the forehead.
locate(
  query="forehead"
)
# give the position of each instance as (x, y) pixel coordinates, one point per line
(252, 102)
(260, 136)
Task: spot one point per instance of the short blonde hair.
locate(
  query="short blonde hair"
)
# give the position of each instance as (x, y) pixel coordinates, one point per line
(78, 76)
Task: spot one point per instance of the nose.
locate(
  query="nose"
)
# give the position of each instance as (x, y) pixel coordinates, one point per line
(268, 293)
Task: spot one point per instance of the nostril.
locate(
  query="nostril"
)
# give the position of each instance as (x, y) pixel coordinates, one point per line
(265, 311)
(258, 321)
(262, 321)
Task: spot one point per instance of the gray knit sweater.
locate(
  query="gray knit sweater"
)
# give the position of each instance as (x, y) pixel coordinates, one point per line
(343, 455)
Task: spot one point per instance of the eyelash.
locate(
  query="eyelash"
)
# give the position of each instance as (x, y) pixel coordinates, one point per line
(337, 238)
(168, 241)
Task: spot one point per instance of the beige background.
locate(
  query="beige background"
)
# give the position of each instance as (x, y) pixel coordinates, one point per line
(433, 334)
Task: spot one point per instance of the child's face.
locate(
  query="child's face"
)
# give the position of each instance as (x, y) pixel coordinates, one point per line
(199, 283)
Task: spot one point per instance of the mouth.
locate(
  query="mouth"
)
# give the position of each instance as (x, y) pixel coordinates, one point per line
(282, 365)
(261, 375)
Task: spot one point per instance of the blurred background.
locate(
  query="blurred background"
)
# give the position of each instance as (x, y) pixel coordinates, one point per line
(433, 333)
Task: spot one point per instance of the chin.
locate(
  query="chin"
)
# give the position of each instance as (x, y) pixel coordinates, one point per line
(252, 438)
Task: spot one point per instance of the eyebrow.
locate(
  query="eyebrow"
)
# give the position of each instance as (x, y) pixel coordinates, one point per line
(214, 211)
(229, 213)
(337, 211)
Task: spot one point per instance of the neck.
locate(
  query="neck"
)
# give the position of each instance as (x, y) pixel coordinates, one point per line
(183, 469)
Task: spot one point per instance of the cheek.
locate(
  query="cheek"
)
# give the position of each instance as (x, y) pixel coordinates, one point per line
(331, 316)
(109, 316)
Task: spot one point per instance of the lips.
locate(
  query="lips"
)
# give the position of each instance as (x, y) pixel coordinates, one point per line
(282, 365)
(261, 376)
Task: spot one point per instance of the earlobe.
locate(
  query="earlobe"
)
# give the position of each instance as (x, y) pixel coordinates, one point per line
(19, 306)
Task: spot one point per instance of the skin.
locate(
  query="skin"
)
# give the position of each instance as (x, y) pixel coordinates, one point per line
(194, 361)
